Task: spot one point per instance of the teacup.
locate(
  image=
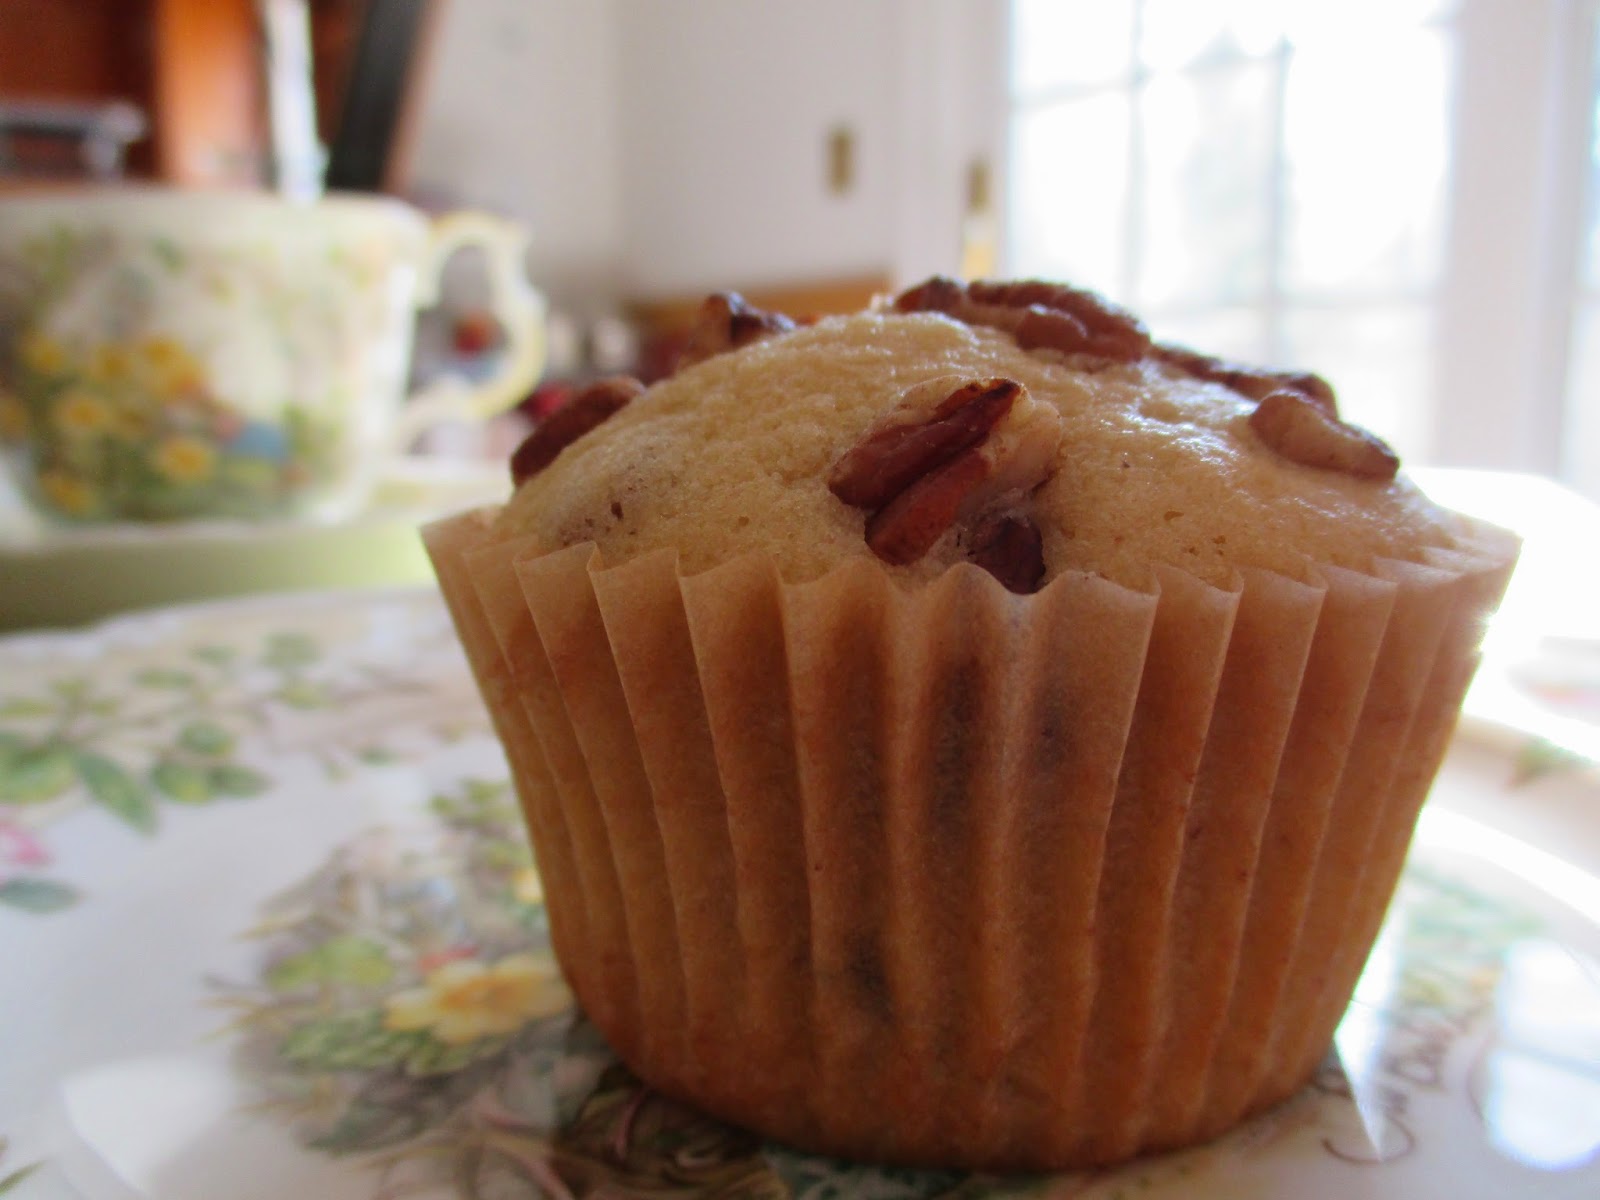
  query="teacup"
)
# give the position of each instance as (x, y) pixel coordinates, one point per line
(169, 355)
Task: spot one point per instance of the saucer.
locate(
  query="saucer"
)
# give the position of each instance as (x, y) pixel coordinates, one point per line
(59, 576)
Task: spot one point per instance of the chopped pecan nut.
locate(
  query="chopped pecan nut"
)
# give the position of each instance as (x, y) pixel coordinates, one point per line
(947, 452)
(1040, 327)
(938, 293)
(1191, 362)
(909, 444)
(1251, 382)
(588, 408)
(1011, 549)
(907, 527)
(1040, 315)
(1258, 385)
(1114, 332)
(1017, 293)
(1298, 428)
(727, 321)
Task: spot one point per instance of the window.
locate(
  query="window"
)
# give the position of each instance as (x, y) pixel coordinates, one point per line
(1379, 190)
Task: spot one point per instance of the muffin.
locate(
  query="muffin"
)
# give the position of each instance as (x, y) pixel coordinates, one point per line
(966, 733)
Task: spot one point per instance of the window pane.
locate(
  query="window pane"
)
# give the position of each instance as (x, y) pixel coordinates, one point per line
(1207, 155)
(1235, 333)
(1068, 199)
(1067, 43)
(1580, 449)
(1378, 361)
(1366, 165)
(1358, 24)
(1179, 33)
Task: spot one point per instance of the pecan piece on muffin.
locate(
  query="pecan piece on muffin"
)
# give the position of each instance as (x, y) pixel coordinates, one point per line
(1039, 315)
(588, 408)
(1011, 548)
(918, 470)
(727, 321)
(1254, 383)
(1301, 430)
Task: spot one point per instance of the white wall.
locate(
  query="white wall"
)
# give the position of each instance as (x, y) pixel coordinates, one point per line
(726, 113)
(727, 107)
(665, 146)
(522, 117)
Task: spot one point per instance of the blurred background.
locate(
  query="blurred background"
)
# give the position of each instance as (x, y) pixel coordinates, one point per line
(1400, 194)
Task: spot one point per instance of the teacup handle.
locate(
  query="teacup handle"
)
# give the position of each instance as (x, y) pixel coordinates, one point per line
(516, 304)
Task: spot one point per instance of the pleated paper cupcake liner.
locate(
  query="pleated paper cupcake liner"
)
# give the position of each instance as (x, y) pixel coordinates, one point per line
(953, 877)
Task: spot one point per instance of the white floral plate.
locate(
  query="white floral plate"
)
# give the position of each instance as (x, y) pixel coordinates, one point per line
(268, 929)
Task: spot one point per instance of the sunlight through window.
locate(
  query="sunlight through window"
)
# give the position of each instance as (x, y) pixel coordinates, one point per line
(1209, 164)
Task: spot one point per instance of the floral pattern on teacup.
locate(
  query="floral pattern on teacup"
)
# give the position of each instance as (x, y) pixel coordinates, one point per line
(152, 381)
(133, 429)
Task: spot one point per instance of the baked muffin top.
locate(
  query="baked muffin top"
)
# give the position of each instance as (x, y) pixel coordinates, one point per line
(965, 424)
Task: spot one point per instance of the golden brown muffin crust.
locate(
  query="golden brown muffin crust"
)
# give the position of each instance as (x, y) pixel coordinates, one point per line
(1154, 465)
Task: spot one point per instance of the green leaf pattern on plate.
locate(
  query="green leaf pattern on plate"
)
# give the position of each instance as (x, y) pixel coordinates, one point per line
(344, 958)
(116, 791)
(195, 716)
(9, 1180)
(1538, 758)
(34, 773)
(205, 738)
(36, 895)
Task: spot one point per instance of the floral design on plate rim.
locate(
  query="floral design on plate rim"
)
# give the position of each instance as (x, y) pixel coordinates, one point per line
(407, 1013)
(408, 1010)
(192, 721)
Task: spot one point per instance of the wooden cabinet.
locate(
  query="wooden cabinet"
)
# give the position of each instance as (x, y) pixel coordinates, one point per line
(206, 91)
(192, 66)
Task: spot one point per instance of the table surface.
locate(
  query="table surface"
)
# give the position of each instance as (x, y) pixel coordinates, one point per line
(269, 928)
